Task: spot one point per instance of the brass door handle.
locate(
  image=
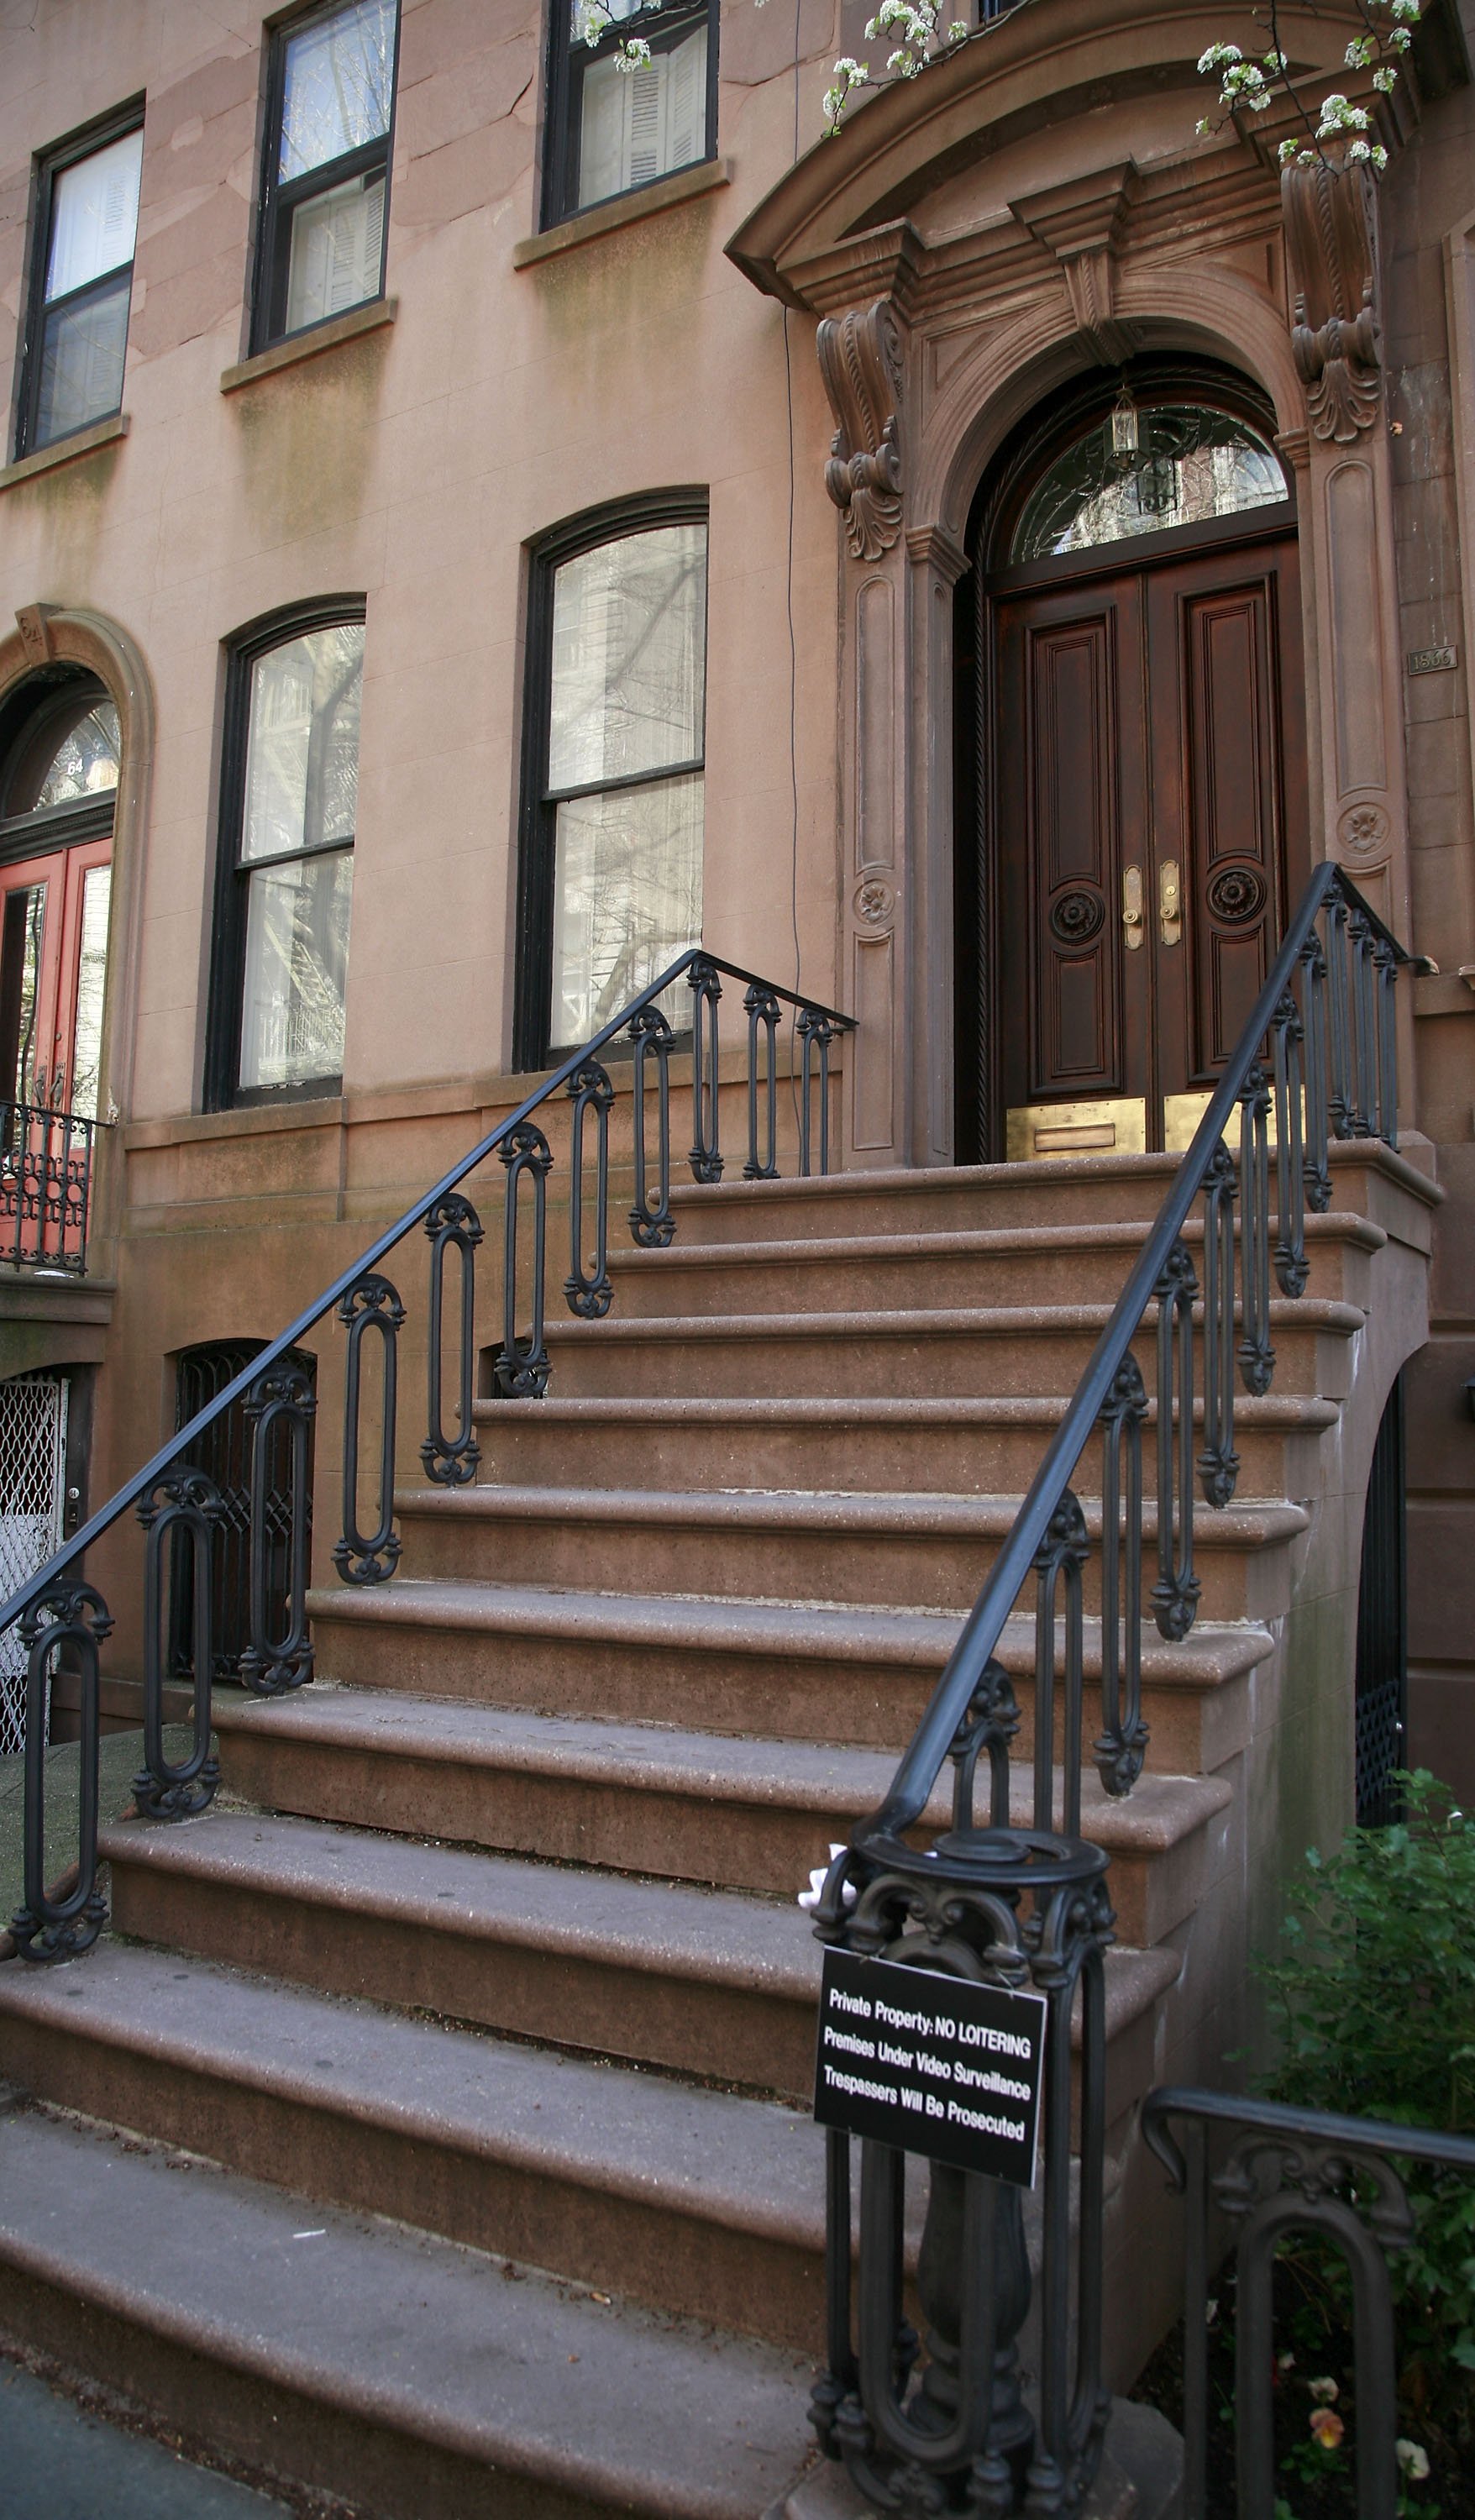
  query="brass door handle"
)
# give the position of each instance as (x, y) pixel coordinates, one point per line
(1131, 907)
(1170, 907)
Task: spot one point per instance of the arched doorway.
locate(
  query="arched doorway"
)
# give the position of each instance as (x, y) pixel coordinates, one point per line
(1133, 823)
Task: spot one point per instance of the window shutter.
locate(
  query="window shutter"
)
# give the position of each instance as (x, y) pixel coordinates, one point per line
(601, 133)
(686, 101)
(643, 122)
(336, 253)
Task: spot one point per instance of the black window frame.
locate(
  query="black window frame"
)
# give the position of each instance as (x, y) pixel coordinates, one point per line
(569, 58)
(532, 984)
(227, 984)
(278, 200)
(51, 163)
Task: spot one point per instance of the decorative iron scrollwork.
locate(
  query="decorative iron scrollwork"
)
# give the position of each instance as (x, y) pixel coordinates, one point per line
(182, 1509)
(71, 1616)
(520, 1368)
(450, 1460)
(761, 1008)
(280, 1523)
(371, 1305)
(1122, 1745)
(817, 1031)
(588, 1290)
(652, 1226)
(705, 1159)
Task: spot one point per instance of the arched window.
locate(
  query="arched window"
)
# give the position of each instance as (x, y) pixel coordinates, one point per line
(59, 773)
(1143, 470)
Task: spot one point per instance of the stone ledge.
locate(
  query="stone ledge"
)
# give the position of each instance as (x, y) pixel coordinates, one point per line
(65, 450)
(368, 318)
(623, 211)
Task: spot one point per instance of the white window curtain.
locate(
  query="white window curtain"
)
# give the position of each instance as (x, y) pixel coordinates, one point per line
(94, 216)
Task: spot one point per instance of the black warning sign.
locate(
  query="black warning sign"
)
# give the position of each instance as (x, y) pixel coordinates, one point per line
(931, 2065)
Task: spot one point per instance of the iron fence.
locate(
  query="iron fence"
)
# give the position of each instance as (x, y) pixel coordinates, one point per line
(46, 1162)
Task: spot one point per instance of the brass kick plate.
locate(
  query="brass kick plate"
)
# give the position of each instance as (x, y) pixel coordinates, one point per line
(1118, 1127)
(1182, 1113)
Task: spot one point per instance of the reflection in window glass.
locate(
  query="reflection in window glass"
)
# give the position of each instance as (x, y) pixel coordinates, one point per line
(627, 899)
(86, 763)
(629, 657)
(94, 216)
(78, 376)
(92, 976)
(24, 934)
(338, 84)
(338, 250)
(297, 970)
(1189, 466)
(302, 746)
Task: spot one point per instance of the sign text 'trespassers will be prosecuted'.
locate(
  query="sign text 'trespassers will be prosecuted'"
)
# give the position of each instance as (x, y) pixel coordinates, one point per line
(931, 2065)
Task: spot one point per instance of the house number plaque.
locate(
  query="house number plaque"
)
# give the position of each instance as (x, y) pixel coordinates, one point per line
(931, 2065)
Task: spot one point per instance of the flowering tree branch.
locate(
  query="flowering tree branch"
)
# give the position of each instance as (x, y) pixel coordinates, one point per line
(917, 36)
(1253, 86)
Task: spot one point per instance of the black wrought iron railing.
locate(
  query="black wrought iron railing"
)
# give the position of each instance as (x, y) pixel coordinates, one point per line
(46, 1165)
(1029, 1907)
(1289, 2175)
(179, 1505)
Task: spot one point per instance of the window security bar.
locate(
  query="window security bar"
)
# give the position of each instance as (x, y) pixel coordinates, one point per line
(948, 2428)
(180, 1508)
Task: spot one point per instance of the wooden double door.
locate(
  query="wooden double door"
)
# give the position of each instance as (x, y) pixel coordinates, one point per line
(1150, 834)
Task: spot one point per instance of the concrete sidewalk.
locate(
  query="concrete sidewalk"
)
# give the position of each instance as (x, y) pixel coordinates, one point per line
(58, 2461)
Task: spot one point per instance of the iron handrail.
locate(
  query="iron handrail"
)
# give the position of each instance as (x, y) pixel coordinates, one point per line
(260, 1366)
(1277, 2117)
(922, 1761)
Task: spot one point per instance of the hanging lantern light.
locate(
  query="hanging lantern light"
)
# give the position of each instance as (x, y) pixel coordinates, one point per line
(1124, 423)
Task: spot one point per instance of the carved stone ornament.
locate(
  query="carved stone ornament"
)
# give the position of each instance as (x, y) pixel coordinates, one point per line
(1334, 340)
(1364, 831)
(860, 363)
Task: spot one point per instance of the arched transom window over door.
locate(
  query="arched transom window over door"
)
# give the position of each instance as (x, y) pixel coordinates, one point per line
(1143, 817)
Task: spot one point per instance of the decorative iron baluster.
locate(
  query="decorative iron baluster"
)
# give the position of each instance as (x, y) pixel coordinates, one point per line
(184, 1507)
(1366, 1022)
(1287, 1032)
(1340, 1097)
(1175, 1594)
(990, 1724)
(706, 989)
(1318, 1170)
(520, 1370)
(1257, 1356)
(652, 1228)
(69, 1616)
(1385, 1116)
(1074, 1929)
(762, 1008)
(817, 1031)
(1122, 1744)
(271, 1665)
(453, 1225)
(1059, 1561)
(372, 1304)
(588, 1292)
(1219, 1463)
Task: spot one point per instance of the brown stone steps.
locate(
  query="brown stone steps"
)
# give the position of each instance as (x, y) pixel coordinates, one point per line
(698, 2202)
(779, 1670)
(701, 1982)
(392, 2372)
(647, 1799)
(978, 1447)
(926, 1552)
(945, 1268)
(1016, 1349)
(1072, 1189)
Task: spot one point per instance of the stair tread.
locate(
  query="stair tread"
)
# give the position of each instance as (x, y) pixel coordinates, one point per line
(604, 1917)
(926, 1513)
(836, 1784)
(696, 1932)
(1292, 1408)
(858, 1632)
(420, 2333)
(983, 1241)
(1020, 1321)
(750, 2164)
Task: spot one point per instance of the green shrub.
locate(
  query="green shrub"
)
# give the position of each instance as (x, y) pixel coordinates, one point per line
(1372, 2003)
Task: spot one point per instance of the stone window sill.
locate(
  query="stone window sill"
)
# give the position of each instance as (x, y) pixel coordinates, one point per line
(82, 441)
(623, 211)
(310, 345)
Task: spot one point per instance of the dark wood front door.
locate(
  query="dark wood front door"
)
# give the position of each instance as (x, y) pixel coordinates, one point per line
(1150, 804)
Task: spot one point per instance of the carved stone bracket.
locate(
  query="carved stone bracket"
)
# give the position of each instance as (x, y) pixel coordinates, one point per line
(860, 363)
(1334, 338)
(1083, 224)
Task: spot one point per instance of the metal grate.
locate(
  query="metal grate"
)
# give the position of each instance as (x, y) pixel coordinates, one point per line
(33, 1498)
(1382, 1626)
(224, 1451)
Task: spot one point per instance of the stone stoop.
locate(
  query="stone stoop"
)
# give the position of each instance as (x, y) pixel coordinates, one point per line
(433, 2130)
